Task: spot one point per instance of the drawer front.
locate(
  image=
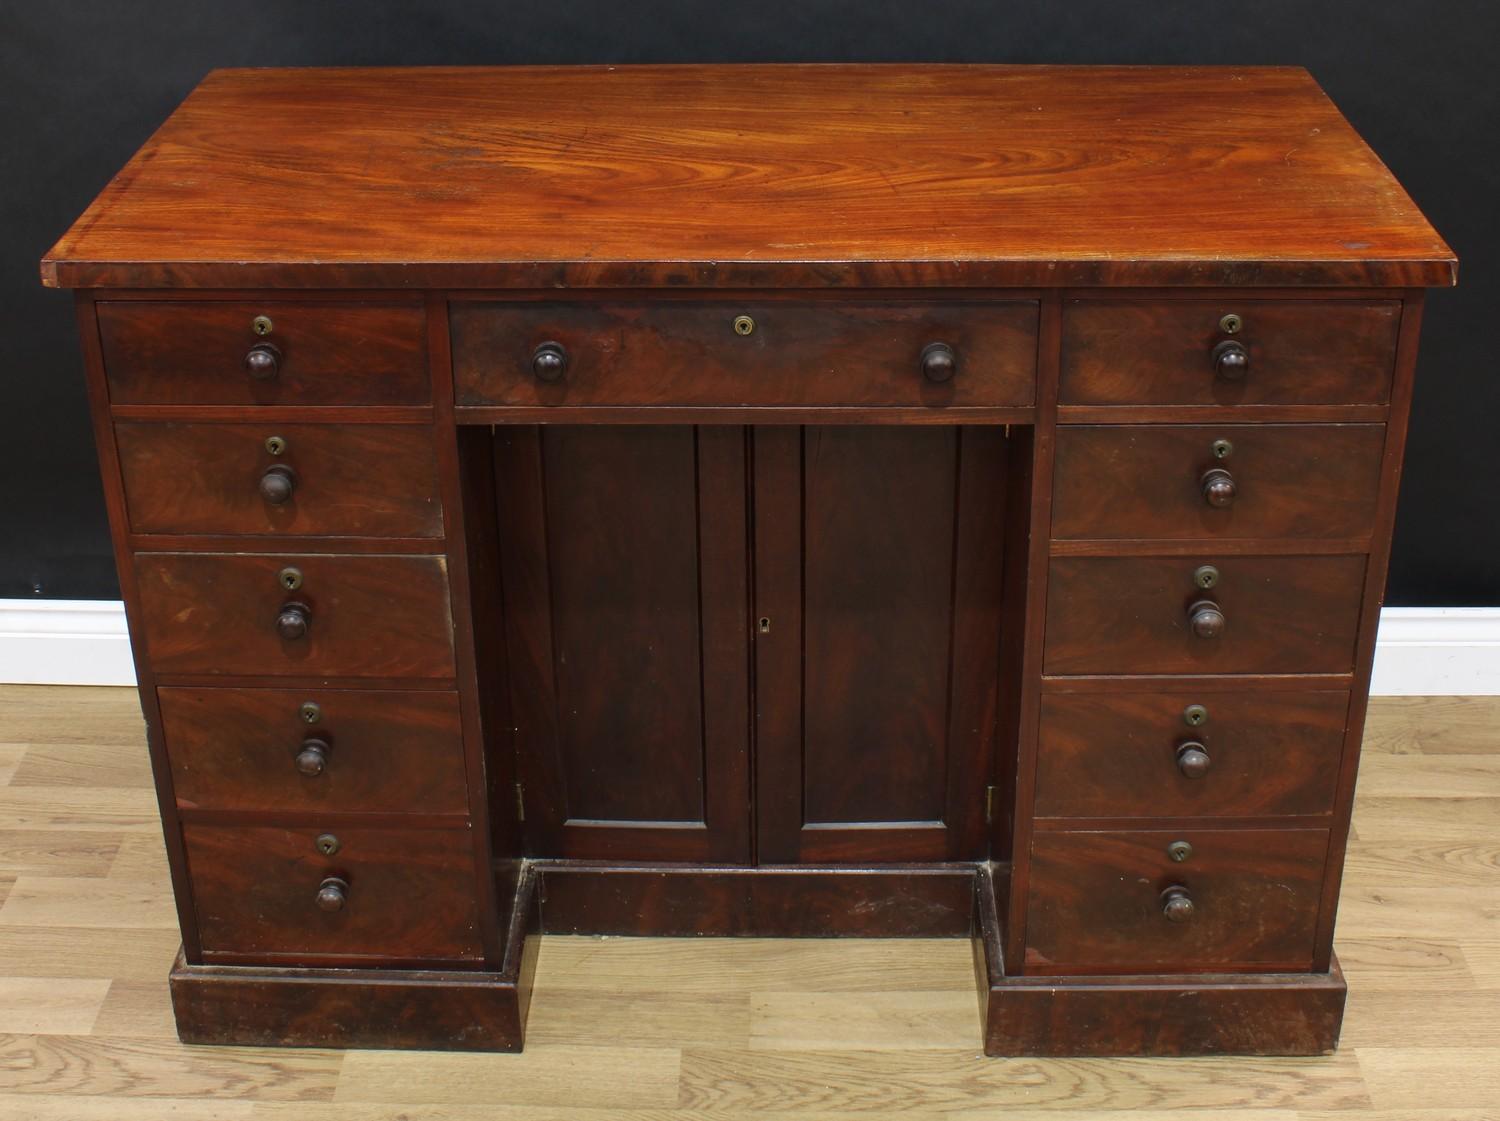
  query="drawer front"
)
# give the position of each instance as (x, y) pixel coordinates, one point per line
(406, 894)
(195, 353)
(1301, 352)
(1218, 482)
(337, 750)
(366, 616)
(677, 353)
(355, 480)
(1145, 754)
(1112, 615)
(1099, 901)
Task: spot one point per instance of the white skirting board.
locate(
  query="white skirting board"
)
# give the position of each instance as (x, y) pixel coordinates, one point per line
(1422, 651)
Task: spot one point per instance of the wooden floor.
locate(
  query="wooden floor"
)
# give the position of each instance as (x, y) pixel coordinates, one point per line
(656, 1030)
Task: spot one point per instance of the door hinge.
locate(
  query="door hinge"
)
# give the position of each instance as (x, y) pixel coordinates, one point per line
(989, 805)
(520, 802)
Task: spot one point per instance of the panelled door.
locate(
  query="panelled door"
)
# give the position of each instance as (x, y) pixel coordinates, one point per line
(818, 605)
(625, 588)
(877, 581)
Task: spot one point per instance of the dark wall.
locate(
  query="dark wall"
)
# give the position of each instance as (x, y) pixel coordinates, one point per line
(84, 82)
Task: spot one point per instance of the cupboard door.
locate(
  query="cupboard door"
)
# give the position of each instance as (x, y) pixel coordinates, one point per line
(878, 555)
(624, 575)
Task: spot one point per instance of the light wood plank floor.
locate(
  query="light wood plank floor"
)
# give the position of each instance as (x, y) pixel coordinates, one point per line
(675, 1029)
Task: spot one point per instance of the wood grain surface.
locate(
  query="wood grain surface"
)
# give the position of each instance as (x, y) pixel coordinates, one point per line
(1096, 900)
(371, 616)
(1159, 352)
(353, 480)
(687, 353)
(1134, 482)
(385, 751)
(753, 175)
(1115, 754)
(178, 352)
(409, 894)
(1130, 615)
(625, 1029)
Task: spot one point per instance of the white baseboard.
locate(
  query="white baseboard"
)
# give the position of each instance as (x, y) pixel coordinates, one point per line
(64, 642)
(1422, 651)
(1437, 651)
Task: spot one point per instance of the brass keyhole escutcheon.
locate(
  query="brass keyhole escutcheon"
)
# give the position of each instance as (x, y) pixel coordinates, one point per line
(1179, 851)
(1222, 449)
(1205, 576)
(764, 626)
(1195, 716)
(1231, 323)
(290, 578)
(328, 844)
(311, 712)
(262, 325)
(743, 325)
(275, 445)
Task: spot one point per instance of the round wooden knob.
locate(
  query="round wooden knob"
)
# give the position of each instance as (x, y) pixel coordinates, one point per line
(263, 361)
(1231, 360)
(1193, 759)
(312, 759)
(1177, 904)
(277, 484)
(1218, 487)
(1206, 619)
(939, 363)
(549, 361)
(333, 893)
(293, 621)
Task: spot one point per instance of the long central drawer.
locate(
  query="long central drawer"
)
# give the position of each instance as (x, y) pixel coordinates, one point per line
(679, 353)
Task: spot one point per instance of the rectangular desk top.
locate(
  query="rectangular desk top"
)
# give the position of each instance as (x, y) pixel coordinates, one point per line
(748, 176)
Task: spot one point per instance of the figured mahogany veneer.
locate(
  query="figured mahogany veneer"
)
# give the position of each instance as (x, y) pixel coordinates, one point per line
(329, 354)
(356, 481)
(408, 895)
(1097, 899)
(368, 616)
(1156, 352)
(747, 353)
(1120, 754)
(1132, 615)
(356, 751)
(1150, 481)
(795, 176)
(770, 500)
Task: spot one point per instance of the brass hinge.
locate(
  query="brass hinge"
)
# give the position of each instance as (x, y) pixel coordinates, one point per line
(989, 805)
(520, 802)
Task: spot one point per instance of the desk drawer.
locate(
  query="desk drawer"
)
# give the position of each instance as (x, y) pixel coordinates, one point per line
(1226, 481)
(1192, 753)
(1248, 898)
(363, 616)
(198, 353)
(402, 894)
(1300, 352)
(377, 480)
(692, 354)
(309, 750)
(1128, 615)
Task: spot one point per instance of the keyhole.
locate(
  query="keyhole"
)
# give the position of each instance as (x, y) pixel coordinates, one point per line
(290, 578)
(1194, 716)
(327, 844)
(311, 712)
(765, 625)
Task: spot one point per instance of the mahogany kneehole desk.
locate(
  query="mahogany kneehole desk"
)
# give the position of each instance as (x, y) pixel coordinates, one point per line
(776, 500)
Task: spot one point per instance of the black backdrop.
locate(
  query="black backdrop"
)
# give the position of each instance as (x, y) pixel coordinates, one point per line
(84, 82)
